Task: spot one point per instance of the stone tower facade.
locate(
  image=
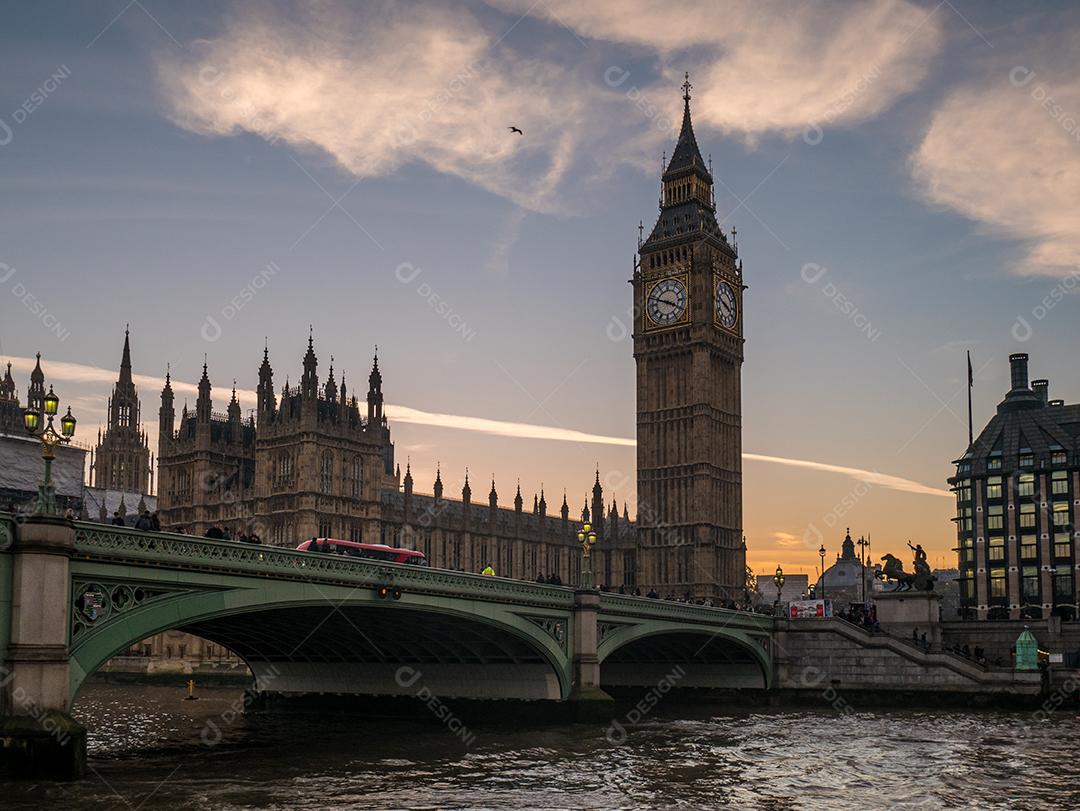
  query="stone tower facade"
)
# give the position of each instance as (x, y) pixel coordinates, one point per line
(121, 460)
(688, 346)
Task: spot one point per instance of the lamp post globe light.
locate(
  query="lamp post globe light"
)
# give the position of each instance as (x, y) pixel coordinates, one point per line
(821, 552)
(778, 579)
(586, 537)
(33, 422)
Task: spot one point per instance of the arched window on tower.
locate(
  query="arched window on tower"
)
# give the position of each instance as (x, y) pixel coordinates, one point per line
(326, 473)
(357, 476)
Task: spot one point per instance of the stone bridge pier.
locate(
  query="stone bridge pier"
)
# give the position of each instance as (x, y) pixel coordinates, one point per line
(38, 737)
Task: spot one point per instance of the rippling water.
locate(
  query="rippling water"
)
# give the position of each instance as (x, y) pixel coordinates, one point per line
(148, 750)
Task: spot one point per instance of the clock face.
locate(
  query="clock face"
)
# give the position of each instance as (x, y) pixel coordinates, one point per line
(667, 302)
(727, 306)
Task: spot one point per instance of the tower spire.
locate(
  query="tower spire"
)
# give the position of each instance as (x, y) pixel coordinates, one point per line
(125, 359)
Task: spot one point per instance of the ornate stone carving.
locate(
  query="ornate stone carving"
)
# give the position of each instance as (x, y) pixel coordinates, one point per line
(552, 626)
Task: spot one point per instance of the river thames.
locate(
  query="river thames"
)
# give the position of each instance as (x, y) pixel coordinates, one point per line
(149, 749)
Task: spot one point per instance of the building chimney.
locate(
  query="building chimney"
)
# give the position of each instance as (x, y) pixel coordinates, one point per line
(1041, 388)
(1019, 364)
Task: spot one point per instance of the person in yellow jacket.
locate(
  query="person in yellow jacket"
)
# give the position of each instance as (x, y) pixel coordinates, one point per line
(488, 572)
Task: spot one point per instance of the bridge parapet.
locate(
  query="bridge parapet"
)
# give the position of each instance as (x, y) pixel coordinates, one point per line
(122, 545)
(669, 609)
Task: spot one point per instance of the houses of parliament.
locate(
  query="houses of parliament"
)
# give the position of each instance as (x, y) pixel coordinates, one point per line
(314, 460)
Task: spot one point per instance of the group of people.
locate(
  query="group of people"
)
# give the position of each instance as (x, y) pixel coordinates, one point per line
(976, 654)
(147, 521)
(863, 616)
(220, 533)
(552, 579)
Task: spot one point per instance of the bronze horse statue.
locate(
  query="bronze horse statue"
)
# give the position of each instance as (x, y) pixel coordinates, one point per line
(921, 580)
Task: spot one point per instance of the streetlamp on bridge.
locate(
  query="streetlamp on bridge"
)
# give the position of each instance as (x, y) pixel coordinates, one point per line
(32, 420)
(778, 579)
(586, 537)
(821, 552)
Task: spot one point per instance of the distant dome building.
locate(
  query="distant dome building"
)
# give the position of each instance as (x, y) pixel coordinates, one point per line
(843, 580)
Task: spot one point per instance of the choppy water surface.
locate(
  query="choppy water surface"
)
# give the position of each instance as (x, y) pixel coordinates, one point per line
(150, 749)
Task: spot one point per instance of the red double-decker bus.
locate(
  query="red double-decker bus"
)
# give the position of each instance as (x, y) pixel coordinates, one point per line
(366, 551)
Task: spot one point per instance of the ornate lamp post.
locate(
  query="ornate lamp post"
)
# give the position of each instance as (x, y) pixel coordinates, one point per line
(586, 537)
(32, 420)
(864, 555)
(778, 579)
(821, 552)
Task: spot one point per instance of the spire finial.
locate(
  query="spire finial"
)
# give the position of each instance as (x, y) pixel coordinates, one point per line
(686, 88)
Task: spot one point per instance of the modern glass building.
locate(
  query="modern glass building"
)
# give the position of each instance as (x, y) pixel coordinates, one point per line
(1016, 505)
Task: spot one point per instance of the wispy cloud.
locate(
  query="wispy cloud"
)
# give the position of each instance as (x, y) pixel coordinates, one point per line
(380, 85)
(78, 373)
(1004, 151)
(769, 65)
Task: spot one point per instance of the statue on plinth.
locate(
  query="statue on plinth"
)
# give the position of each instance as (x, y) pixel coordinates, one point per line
(921, 580)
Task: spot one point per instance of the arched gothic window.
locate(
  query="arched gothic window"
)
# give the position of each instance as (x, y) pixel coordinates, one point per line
(326, 473)
(357, 476)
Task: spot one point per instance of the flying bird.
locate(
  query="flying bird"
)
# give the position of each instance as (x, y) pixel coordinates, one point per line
(515, 129)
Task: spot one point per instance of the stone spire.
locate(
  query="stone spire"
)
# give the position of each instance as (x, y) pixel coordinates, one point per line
(687, 205)
(7, 386)
(309, 382)
(438, 481)
(267, 404)
(125, 361)
(203, 404)
(375, 397)
(166, 414)
(234, 406)
(493, 497)
(517, 498)
(35, 395)
(331, 390)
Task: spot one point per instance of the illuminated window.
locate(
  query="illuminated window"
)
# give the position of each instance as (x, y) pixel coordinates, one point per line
(1062, 545)
(1059, 482)
(1027, 516)
(1057, 458)
(963, 491)
(994, 464)
(997, 582)
(1027, 460)
(967, 551)
(995, 518)
(1026, 484)
(993, 487)
(1061, 514)
(997, 549)
(1028, 548)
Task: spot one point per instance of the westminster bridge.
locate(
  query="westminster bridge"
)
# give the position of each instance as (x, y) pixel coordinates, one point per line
(75, 594)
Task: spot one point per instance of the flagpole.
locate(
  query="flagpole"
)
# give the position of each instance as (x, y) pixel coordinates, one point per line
(971, 382)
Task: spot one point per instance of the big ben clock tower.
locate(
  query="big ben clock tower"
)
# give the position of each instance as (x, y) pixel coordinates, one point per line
(688, 345)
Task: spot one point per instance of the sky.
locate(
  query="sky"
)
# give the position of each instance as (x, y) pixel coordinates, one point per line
(902, 176)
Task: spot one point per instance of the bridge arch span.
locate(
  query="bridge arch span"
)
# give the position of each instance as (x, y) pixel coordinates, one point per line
(682, 655)
(298, 637)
